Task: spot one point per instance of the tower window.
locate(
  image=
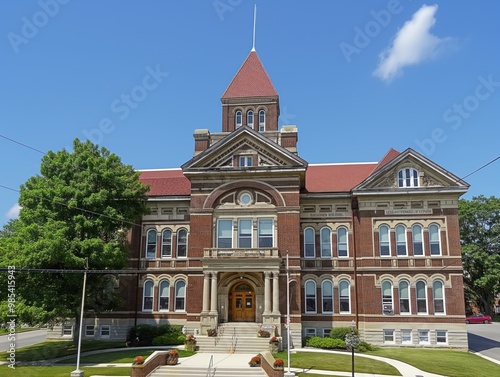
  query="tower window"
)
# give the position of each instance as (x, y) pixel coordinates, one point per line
(245, 161)
(408, 178)
(262, 120)
(238, 119)
(250, 118)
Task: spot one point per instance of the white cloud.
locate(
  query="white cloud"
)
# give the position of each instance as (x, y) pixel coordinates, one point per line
(13, 212)
(412, 44)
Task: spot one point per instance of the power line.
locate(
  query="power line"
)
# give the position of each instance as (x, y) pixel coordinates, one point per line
(24, 145)
(482, 167)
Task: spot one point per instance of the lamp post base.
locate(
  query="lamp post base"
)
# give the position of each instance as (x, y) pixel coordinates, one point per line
(77, 373)
(291, 374)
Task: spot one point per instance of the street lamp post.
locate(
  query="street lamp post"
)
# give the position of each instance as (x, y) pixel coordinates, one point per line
(352, 347)
(78, 372)
(288, 373)
(352, 340)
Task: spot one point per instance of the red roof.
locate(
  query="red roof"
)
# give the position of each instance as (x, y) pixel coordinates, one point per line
(251, 80)
(166, 182)
(389, 156)
(336, 177)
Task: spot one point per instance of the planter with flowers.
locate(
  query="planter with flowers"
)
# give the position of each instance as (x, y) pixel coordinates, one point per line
(263, 334)
(278, 364)
(274, 343)
(172, 357)
(138, 360)
(255, 361)
(190, 343)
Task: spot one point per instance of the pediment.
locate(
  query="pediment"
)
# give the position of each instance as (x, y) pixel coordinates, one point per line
(262, 152)
(430, 175)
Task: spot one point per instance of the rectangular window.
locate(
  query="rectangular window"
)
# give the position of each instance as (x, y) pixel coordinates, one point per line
(406, 337)
(310, 332)
(389, 336)
(418, 248)
(342, 242)
(67, 330)
(245, 161)
(326, 333)
(89, 330)
(225, 234)
(423, 337)
(245, 233)
(384, 241)
(401, 241)
(441, 337)
(105, 331)
(265, 233)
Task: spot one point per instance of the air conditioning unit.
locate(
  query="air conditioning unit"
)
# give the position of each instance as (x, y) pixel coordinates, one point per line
(387, 308)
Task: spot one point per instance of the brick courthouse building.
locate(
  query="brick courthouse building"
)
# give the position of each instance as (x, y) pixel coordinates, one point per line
(377, 243)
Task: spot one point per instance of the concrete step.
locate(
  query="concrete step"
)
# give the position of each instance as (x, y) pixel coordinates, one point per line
(224, 345)
(181, 371)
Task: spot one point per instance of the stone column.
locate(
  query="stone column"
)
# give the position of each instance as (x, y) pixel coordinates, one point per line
(276, 293)
(213, 295)
(206, 291)
(267, 293)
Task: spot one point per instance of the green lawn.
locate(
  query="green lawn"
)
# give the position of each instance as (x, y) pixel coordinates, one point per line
(124, 356)
(18, 330)
(26, 371)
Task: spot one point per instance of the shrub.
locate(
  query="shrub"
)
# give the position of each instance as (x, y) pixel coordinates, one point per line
(169, 339)
(341, 332)
(264, 334)
(143, 335)
(365, 347)
(325, 343)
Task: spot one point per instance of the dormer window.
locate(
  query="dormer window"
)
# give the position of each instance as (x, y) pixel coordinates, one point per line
(245, 161)
(250, 118)
(262, 120)
(238, 119)
(408, 178)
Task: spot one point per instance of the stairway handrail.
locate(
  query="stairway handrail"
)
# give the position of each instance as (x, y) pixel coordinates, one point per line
(210, 367)
(233, 342)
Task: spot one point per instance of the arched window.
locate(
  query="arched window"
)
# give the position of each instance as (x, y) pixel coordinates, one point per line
(438, 295)
(151, 244)
(309, 247)
(404, 297)
(238, 119)
(387, 300)
(326, 243)
(421, 297)
(408, 178)
(166, 243)
(417, 238)
(344, 297)
(262, 120)
(148, 296)
(310, 288)
(342, 249)
(383, 233)
(250, 118)
(401, 241)
(164, 293)
(180, 296)
(182, 243)
(327, 296)
(434, 238)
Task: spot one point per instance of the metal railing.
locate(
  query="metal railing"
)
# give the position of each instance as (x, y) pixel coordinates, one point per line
(241, 253)
(211, 369)
(234, 341)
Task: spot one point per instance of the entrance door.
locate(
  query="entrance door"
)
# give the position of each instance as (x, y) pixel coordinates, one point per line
(242, 303)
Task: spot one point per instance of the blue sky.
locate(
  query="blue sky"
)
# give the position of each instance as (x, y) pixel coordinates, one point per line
(356, 77)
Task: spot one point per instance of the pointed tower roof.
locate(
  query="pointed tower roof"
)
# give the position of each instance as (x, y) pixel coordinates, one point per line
(251, 80)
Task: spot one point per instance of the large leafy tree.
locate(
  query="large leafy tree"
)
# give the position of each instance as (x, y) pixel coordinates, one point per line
(480, 238)
(78, 208)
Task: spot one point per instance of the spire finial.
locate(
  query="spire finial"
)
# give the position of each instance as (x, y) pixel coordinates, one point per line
(254, 18)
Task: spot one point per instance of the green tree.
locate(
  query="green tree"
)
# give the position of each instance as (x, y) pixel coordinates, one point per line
(480, 239)
(79, 208)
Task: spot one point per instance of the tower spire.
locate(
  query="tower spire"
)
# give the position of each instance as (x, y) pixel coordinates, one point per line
(254, 19)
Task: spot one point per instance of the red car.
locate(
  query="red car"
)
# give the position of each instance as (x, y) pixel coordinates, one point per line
(478, 318)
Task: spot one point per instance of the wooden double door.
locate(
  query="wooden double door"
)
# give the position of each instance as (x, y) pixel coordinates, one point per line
(242, 303)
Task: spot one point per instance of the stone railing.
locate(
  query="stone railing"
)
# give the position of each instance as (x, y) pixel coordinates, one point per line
(267, 361)
(241, 253)
(154, 360)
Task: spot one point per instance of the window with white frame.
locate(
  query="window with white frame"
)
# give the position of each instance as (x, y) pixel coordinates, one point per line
(89, 330)
(342, 249)
(421, 288)
(147, 296)
(327, 296)
(166, 243)
(404, 297)
(417, 239)
(309, 247)
(438, 296)
(326, 332)
(408, 178)
(385, 247)
(180, 296)
(250, 118)
(434, 239)
(151, 244)
(164, 295)
(67, 330)
(423, 337)
(310, 288)
(265, 232)
(245, 161)
(406, 336)
(310, 332)
(225, 233)
(326, 242)
(387, 298)
(389, 336)
(262, 120)
(182, 243)
(401, 248)
(105, 331)
(344, 297)
(245, 233)
(441, 337)
(238, 119)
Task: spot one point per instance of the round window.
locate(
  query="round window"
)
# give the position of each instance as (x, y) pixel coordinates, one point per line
(245, 198)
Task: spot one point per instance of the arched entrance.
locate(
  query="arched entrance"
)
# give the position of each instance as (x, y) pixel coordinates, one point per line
(242, 303)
